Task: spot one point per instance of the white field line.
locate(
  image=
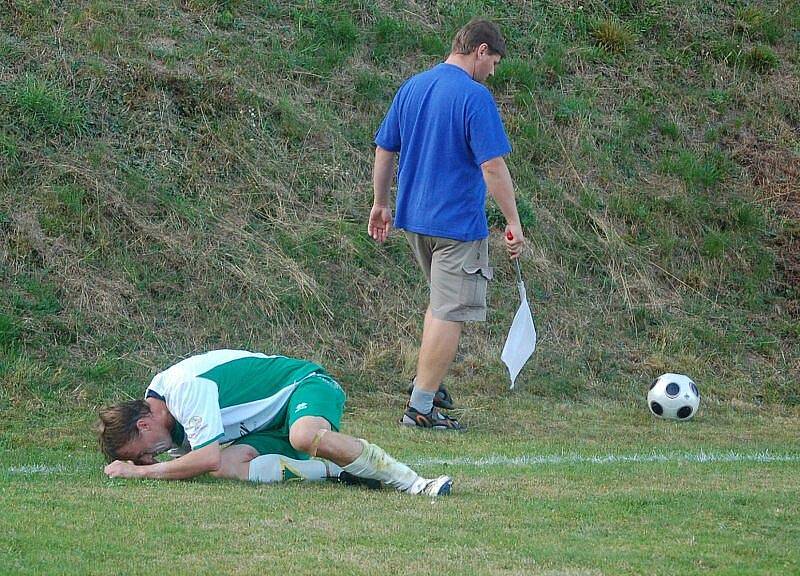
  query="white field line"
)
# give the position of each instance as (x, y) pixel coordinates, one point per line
(497, 460)
(37, 469)
(566, 459)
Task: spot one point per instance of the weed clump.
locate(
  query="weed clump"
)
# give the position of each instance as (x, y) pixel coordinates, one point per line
(752, 22)
(748, 19)
(45, 107)
(698, 171)
(761, 59)
(8, 146)
(391, 36)
(517, 72)
(669, 129)
(612, 36)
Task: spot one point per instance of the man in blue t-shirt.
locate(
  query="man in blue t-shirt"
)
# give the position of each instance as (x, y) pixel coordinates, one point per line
(445, 126)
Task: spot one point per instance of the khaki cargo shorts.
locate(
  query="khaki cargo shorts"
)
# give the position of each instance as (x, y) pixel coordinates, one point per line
(458, 274)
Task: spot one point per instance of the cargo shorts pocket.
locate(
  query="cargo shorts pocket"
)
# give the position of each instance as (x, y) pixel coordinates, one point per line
(474, 284)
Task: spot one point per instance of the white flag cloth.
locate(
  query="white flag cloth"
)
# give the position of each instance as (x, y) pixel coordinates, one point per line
(521, 340)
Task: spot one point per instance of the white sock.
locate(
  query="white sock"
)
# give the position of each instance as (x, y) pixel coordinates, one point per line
(376, 464)
(276, 468)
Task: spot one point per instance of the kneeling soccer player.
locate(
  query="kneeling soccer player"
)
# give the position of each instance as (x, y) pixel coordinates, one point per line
(279, 418)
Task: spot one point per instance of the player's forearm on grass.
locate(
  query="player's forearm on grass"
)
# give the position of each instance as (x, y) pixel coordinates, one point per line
(195, 463)
(500, 186)
(382, 176)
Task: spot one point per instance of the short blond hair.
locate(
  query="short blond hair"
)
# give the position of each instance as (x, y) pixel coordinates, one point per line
(117, 426)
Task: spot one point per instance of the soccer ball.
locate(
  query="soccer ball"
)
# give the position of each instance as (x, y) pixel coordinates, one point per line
(674, 397)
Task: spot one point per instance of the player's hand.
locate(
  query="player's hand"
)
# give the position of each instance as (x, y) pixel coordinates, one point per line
(380, 222)
(122, 469)
(514, 240)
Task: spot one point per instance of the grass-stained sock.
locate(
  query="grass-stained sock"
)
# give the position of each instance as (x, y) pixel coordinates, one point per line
(376, 464)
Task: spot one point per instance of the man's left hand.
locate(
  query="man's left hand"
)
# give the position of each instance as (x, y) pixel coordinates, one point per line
(123, 469)
(514, 240)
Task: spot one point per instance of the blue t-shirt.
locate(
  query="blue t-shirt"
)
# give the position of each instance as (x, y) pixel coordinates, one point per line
(444, 125)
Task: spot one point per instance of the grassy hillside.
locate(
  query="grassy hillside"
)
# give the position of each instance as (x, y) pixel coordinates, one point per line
(177, 176)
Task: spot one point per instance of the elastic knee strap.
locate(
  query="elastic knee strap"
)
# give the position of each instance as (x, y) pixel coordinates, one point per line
(316, 441)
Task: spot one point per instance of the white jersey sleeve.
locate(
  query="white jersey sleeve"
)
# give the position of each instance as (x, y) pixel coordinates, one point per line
(194, 403)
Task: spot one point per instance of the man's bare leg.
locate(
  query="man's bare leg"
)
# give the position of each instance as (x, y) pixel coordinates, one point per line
(338, 448)
(438, 350)
(235, 462)
(313, 435)
(439, 346)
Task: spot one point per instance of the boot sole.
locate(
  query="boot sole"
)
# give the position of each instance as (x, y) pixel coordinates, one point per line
(411, 423)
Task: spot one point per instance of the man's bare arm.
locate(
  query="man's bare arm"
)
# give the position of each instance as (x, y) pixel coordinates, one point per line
(380, 217)
(500, 186)
(195, 463)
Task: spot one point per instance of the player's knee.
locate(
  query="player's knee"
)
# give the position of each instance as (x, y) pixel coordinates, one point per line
(305, 434)
(301, 438)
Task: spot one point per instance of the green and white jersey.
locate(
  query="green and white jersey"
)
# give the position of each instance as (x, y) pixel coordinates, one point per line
(225, 394)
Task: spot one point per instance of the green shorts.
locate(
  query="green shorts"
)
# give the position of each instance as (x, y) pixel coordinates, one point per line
(317, 395)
